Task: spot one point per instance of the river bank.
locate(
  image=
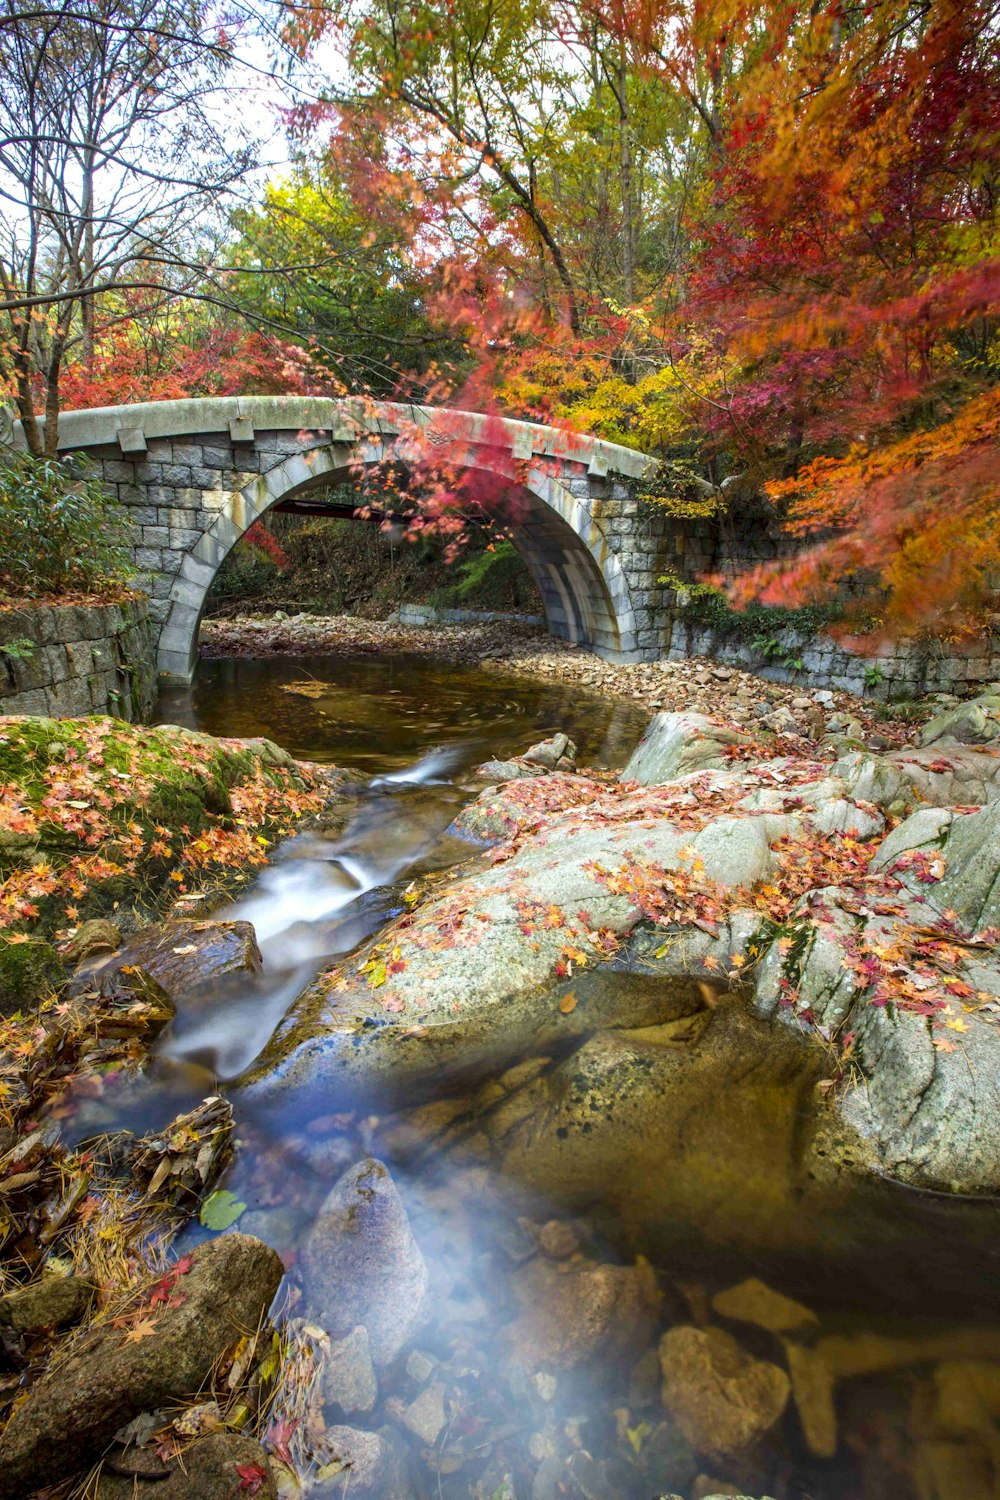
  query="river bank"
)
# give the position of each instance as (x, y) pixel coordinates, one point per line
(615, 1132)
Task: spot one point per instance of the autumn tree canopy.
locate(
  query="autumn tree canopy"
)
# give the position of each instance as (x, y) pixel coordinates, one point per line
(756, 239)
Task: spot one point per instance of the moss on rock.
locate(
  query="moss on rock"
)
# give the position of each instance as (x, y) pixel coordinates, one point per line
(99, 815)
(30, 970)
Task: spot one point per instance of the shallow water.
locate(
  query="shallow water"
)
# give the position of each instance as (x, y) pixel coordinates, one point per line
(903, 1287)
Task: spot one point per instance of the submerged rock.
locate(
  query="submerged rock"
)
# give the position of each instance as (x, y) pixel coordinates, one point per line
(754, 1302)
(107, 1378)
(218, 1467)
(582, 1311)
(369, 1464)
(722, 1399)
(361, 1264)
(348, 1374)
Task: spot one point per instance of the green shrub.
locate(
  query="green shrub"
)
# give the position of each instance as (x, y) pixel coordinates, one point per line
(61, 533)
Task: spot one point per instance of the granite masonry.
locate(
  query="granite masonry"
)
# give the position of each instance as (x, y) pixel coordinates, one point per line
(195, 475)
(67, 660)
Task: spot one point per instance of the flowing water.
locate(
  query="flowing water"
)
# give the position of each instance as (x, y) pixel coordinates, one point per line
(902, 1289)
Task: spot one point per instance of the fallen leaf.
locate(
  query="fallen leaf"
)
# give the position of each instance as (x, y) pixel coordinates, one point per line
(220, 1209)
(567, 1003)
(140, 1331)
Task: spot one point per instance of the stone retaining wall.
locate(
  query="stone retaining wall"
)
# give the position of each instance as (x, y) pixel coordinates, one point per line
(906, 670)
(68, 660)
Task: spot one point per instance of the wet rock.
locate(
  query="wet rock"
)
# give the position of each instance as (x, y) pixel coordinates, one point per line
(218, 1467)
(348, 1374)
(106, 1379)
(499, 771)
(555, 754)
(581, 1311)
(96, 936)
(361, 1264)
(626, 1101)
(368, 1464)
(53, 1302)
(420, 1366)
(181, 955)
(752, 1301)
(722, 1399)
(30, 970)
(677, 743)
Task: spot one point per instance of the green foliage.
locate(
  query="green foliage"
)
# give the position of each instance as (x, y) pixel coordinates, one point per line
(21, 648)
(62, 532)
(479, 575)
(760, 626)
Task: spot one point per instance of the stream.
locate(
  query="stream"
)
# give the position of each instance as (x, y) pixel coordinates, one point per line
(473, 1422)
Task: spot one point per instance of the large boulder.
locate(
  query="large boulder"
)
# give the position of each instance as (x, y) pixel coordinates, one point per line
(115, 1370)
(974, 723)
(921, 1091)
(676, 743)
(362, 1267)
(222, 1466)
(473, 977)
(950, 861)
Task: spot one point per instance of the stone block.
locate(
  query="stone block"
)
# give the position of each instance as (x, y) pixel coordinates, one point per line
(155, 536)
(159, 609)
(148, 472)
(35, 702)
(184, 538)
(175, 474)
(217, 458)
(142, 515)
(185, 453)
(118, 471)
(148, 559)
(80, 656)
(71, 699)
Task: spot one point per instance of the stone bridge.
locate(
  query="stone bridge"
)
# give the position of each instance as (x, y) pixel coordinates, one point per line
(196, 474)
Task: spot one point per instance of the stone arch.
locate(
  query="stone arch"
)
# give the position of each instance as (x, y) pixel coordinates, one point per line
(198, 473)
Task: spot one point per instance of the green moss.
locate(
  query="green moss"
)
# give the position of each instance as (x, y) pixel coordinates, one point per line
(29, 972)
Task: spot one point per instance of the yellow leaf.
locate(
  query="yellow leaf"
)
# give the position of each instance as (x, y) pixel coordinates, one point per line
(567, 1003)
(957, 1025)
(142, 1330)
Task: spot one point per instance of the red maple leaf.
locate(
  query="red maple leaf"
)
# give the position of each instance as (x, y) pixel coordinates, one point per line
(252, 1477)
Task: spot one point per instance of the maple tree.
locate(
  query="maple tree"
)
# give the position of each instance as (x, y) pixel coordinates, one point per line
(820, 182)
